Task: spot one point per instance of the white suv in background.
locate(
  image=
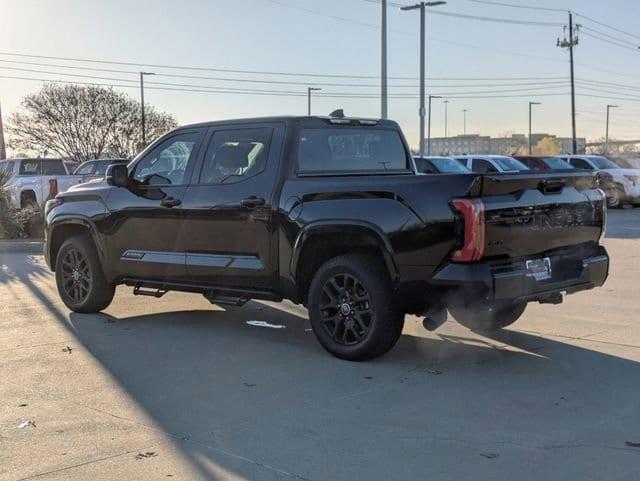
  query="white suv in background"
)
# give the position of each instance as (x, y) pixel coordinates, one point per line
(491, 163)
(622, 186)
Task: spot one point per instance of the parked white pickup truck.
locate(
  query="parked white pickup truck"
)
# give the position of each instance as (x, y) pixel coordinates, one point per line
(29, 182)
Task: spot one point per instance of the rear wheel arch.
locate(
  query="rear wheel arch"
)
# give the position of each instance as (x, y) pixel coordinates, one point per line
(28, 197)
(318, 243)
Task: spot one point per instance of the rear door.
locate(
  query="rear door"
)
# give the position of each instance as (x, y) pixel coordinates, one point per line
(229, 207)
(146, 219)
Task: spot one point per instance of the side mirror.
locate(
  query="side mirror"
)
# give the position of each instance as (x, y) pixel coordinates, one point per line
(117, 175)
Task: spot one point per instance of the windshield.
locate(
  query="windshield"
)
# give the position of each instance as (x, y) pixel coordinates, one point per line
(351, 149)
(557, 163)
(7, 166)
(445, 164)
(603, 162)
(509, 164)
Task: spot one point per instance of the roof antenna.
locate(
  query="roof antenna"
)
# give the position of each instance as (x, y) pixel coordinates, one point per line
(337, 113)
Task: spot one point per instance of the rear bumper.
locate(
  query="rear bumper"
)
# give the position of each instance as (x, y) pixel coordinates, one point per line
(573, 270)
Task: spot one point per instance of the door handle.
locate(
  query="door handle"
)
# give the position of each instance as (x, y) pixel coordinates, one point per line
(170, 202)
(252, 202)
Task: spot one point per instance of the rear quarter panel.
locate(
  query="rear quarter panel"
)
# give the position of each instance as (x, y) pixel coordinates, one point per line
(411, 211)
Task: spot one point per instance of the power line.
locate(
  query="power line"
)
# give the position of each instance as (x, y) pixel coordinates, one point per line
(602, 24)
(603, 34)
(528, 7)
(634, 49)
(248, 72)
(226, 90)
(516, 81)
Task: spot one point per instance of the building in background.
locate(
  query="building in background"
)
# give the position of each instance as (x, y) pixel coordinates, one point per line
(484, 144)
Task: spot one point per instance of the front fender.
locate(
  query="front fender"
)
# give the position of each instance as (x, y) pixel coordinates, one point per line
(345, 226)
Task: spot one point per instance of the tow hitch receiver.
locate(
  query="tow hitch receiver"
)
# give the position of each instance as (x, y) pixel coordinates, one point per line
(555, 298)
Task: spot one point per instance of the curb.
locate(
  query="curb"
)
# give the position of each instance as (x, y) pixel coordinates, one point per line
(22, 246)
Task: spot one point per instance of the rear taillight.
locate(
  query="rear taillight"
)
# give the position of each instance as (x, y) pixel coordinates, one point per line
(598, 200)
(53, 188)
(472, 211)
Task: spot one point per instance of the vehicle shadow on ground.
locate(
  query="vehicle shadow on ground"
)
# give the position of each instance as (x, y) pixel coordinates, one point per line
(267, 403)
(623, 224)
(240, 395)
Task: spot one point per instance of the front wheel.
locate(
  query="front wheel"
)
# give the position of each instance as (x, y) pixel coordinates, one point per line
(614, 200)
(79, 276)
(490, 317)
(350, 308)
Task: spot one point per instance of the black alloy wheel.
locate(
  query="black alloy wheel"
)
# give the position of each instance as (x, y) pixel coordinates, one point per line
(76, 275)
(345, 309)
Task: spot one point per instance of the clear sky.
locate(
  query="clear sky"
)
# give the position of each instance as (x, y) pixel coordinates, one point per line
(341, 37)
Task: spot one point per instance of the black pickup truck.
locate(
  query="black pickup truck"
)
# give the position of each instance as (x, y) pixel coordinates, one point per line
(328, 212)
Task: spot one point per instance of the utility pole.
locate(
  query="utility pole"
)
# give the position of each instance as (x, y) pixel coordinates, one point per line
(383, 59)
(3, 150)
(429, 123)
(446, 120)
(309, 90)
(606, 135)
(144, 124)
(564, 43)
(530, 104)
(464, 131)
(421, 6)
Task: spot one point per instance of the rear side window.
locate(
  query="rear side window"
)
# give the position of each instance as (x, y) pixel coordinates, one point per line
(30, 167)
(234, 155)
(481, 165)
(53, 167)
(351, 150)
(581, 164)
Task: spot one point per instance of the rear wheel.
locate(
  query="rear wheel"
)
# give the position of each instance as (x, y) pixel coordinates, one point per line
(81, 282)
(613, 200)
(350, 308)
(490, 317)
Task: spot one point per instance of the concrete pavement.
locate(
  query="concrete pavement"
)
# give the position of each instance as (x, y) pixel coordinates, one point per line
(175, 388)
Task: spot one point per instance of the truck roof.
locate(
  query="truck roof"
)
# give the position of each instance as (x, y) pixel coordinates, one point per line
(310, 121)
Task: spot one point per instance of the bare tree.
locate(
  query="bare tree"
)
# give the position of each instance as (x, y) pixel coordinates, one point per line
(547, 146)
(81, 122)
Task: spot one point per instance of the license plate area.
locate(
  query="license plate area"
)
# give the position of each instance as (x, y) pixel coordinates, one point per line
(539, 269)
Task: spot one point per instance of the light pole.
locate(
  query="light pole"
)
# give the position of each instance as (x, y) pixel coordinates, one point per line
(383, 59)
(530, 104)
(144, 126)
(606, 135)
(429, 123)
(446, 120)
(464, 128)
(309, 90)
(421, 6)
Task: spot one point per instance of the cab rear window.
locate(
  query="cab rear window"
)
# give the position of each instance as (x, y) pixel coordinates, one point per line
(351, 150)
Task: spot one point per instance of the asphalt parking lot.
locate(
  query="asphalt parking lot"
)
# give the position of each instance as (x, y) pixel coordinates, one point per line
(179, 389)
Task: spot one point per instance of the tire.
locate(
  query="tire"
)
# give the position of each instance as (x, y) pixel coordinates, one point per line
(613, 201)
(488, 317)
(81, 282)
(350, 308)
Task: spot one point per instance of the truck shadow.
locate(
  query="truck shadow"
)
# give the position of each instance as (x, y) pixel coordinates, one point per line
(229, 390)
(267, 403)
(623, 224)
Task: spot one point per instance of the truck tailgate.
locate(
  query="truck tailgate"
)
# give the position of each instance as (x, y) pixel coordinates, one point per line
(527, 214)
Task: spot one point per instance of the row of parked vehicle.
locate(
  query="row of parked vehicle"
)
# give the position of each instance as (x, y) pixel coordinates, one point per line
(34, 180)
(622, 186)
